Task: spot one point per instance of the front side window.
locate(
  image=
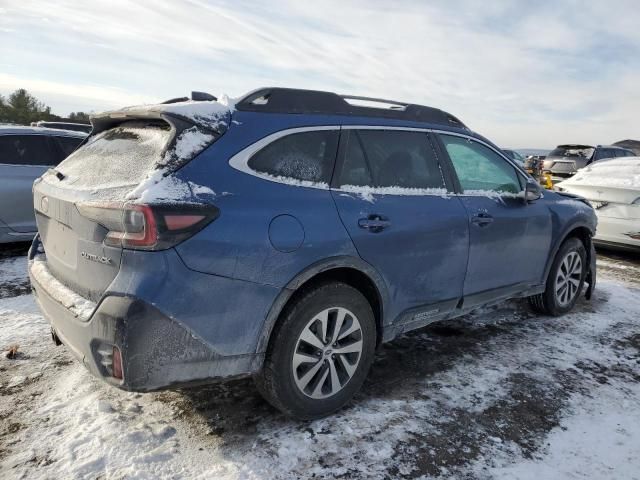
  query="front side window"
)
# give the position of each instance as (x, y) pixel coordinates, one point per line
(479, 168)
(305, 156)
(25, 150)
(390, 158)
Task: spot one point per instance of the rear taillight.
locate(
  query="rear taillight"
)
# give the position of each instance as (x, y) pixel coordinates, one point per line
(116, 366)
(148, 227)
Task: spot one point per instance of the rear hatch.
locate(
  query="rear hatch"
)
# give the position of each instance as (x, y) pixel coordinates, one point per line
(86, 206)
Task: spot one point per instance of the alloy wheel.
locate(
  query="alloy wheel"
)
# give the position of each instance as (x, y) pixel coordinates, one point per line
(568, 278)
(327, 353)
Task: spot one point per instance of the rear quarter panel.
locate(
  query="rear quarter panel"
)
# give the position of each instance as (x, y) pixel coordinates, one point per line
(238, 243)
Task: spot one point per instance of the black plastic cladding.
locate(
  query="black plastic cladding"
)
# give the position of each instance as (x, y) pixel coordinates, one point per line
(291, 100)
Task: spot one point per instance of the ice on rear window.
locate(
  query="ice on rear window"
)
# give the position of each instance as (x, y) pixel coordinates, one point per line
(117, 157)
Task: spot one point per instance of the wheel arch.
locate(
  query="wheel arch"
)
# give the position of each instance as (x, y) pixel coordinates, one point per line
(352, 271)
(584, 234)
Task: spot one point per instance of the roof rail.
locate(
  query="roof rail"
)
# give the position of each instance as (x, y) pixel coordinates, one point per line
(291, 100)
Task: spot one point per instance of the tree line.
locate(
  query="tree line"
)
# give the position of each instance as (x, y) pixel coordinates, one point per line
(22, 108)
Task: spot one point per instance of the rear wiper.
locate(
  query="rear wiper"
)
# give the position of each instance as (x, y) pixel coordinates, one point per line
(59, 175)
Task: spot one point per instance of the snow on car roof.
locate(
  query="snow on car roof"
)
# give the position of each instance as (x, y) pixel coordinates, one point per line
(616, 173)
(207, 114)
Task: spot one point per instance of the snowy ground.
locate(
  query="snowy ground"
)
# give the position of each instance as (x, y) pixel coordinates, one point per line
(498, 394)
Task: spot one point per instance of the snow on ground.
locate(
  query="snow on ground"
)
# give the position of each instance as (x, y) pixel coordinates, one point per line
(501, 393)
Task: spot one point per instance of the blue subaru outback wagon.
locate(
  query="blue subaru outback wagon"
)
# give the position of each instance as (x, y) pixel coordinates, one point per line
(284, 237)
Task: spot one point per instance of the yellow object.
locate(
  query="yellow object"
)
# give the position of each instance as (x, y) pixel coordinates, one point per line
(547, 183)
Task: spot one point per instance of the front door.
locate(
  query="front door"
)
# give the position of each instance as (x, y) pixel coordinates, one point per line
(509, 239)
(392, 198)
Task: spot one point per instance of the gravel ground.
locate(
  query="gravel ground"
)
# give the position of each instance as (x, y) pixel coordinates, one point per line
(500, 393)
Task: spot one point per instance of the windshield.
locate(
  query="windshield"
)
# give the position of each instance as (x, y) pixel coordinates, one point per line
(572, 151)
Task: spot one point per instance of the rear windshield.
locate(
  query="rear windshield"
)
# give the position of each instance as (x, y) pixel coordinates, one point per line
(117, 157)
(582, 152)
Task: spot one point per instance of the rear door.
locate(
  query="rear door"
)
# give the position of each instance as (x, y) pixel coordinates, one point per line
(509, 239)
(391, 194)
(23, 158)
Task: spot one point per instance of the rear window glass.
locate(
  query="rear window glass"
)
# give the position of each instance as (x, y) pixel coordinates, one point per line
(306, 156)
(68, 144)
(117, 157)
(583, 152)
(25, 150)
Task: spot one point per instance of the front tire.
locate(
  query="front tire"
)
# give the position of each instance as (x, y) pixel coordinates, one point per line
(320, 352)
(565, 280)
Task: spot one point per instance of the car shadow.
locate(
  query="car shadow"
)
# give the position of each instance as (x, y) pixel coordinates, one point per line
(14, 249)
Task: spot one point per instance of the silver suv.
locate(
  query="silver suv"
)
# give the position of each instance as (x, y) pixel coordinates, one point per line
(25, 154)
(565, 160)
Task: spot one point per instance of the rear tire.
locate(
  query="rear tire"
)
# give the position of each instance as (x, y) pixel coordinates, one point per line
(319, 353)
(565, 280)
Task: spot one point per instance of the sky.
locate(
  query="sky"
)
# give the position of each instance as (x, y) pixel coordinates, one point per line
(525, 74)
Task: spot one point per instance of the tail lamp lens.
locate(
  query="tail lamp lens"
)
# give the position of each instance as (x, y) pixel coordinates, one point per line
(148, 227)
(116, 366)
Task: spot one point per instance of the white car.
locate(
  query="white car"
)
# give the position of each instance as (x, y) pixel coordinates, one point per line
(613, 189)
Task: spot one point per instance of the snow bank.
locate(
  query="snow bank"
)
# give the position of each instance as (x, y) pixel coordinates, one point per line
(600, 438)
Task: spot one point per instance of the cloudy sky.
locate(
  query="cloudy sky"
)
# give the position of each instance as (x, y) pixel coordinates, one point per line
(525, 74)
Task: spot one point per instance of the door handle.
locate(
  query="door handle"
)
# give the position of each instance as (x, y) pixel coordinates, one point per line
(374, 223)
(482, 219)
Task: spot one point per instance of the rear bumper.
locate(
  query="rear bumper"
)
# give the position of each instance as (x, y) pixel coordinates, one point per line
(158, 351)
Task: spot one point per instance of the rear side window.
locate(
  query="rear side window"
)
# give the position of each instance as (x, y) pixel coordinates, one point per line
(479, 168)
(390, 158)
(305, 156)
(67, 144)
(26, 150)
(602, 153)
(121, 156)
(623, 153)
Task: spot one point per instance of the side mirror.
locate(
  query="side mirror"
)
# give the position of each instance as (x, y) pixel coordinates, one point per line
(532, 191)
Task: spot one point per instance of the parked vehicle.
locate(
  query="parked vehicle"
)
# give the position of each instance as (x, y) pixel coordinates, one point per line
(513, 155)
(565, 160)
(286, 238)
(25, 154)
(613, 189)
(76, 127)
